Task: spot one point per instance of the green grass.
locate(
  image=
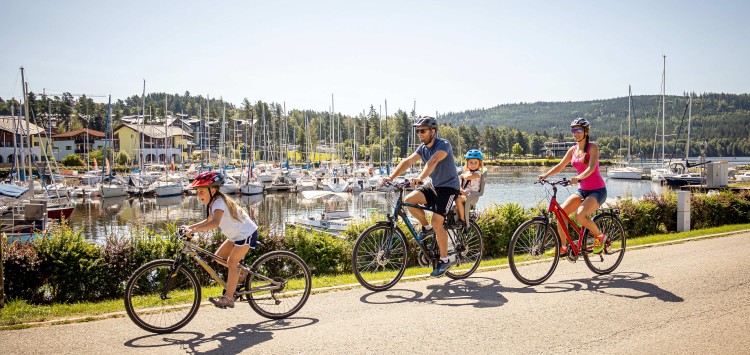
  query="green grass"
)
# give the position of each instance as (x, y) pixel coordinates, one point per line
(18, 314)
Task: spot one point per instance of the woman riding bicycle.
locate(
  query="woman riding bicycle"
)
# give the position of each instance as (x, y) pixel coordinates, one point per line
(592, 191)
(241, 231)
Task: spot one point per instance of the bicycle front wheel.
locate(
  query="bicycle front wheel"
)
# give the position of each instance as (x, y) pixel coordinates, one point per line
(379, 257)
(467, 244)
(614, 245)
(160, 300)
(280, 284)
(533, 252)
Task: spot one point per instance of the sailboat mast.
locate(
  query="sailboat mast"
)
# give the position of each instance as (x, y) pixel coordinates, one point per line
(26, 115)
(690, 114)
(663, 104)
(166, 160)
(630, 107)
(142, 125)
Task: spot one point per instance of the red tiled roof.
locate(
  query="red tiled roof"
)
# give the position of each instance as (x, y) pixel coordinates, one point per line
(91, 132)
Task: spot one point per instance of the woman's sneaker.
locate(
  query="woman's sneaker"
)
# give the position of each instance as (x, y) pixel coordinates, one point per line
(599, 243)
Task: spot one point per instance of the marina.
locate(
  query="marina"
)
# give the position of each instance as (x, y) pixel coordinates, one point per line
(100, 218)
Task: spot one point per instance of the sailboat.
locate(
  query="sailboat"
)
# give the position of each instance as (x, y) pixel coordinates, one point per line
(169, 184)
(625, 171)
(110, 185)
(251, 186)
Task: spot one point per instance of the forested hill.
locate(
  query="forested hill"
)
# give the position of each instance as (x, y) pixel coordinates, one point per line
(722, 118)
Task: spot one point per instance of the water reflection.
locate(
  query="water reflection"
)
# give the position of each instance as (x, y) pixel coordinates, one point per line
(124, 216)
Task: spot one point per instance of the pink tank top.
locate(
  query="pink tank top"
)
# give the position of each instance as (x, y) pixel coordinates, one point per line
(591, 182)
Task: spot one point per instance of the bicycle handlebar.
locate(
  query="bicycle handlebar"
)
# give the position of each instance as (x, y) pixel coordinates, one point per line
(564, 182)
(402, 184)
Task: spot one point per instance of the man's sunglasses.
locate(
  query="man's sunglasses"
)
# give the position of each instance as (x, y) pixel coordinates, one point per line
(576, 130)
(423, 130)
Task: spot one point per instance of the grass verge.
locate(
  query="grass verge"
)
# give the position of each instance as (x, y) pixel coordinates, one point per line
(19, 314)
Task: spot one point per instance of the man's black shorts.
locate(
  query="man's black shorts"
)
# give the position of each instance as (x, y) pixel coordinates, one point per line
(439, 201)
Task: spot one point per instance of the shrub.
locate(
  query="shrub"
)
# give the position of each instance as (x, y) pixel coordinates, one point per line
(21, 270)
(498, 223)
(324, 253)
(666, 209)
(69, 264)
(72, 160)
(639, 218)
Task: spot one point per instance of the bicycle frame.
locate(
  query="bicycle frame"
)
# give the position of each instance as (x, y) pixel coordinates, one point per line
(192, 250)
(562, 217)
(400, 211)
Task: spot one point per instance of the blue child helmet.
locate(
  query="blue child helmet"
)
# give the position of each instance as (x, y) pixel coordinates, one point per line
(474, 154)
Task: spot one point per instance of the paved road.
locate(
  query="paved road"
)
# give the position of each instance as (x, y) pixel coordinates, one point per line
(684, 298)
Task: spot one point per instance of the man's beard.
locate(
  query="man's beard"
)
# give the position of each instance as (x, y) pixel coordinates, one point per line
(427, 140)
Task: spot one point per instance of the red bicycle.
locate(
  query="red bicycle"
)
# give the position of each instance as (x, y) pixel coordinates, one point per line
(534, 249)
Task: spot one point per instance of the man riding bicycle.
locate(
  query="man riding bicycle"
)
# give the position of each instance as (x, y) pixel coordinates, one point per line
(437, 154)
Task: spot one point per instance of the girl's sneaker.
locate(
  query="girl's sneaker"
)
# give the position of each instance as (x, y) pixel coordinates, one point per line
(564, 250)
(222, 302)
(599, 243)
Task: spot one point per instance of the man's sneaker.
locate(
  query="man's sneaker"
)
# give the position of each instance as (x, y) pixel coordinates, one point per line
(599, 243)
(441, 268)
(459, 225)
(426, 233)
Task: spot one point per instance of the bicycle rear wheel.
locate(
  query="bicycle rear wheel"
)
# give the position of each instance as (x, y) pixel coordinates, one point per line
(614, 245)
(159, 300)
(533, 252)
(379, 257)
(467, 244)
(285, 269)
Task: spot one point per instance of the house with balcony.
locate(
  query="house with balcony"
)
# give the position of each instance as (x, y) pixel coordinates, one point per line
(13, 135)
(153, 143)
(80, 142)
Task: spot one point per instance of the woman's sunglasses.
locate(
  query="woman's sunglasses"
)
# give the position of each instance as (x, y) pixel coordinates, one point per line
(576, 130)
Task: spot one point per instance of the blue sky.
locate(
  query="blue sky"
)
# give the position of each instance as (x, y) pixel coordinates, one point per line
(446, 55)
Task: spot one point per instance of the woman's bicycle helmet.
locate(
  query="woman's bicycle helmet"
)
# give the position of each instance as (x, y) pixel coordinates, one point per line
(580, 122)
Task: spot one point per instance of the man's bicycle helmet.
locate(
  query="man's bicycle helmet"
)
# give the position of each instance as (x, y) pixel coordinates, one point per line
(474, 154)
(428, 121)
(208, 179)
(580, 122)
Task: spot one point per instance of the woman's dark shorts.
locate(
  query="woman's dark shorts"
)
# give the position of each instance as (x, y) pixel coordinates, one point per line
(599, 194)
(439, 201)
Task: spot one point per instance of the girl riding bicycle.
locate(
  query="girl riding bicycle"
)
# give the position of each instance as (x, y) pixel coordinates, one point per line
(592, 192)
(241, 231)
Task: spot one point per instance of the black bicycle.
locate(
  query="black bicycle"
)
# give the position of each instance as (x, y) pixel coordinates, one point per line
(381, 252)
(164, 295)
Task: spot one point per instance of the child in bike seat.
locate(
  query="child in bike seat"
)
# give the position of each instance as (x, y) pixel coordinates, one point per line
(234, 222)
(470, 181)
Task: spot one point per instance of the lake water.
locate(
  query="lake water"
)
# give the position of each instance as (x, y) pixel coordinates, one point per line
(100, 218)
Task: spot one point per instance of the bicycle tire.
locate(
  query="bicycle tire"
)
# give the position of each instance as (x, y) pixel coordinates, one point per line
(374, 274)
(288, 268)
(530, 250)
(614, 249)
(468, 251)
(146, 307)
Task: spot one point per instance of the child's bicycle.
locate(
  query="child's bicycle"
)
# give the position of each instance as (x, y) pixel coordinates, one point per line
(534, 249)
(164, 295)
(381, 252)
